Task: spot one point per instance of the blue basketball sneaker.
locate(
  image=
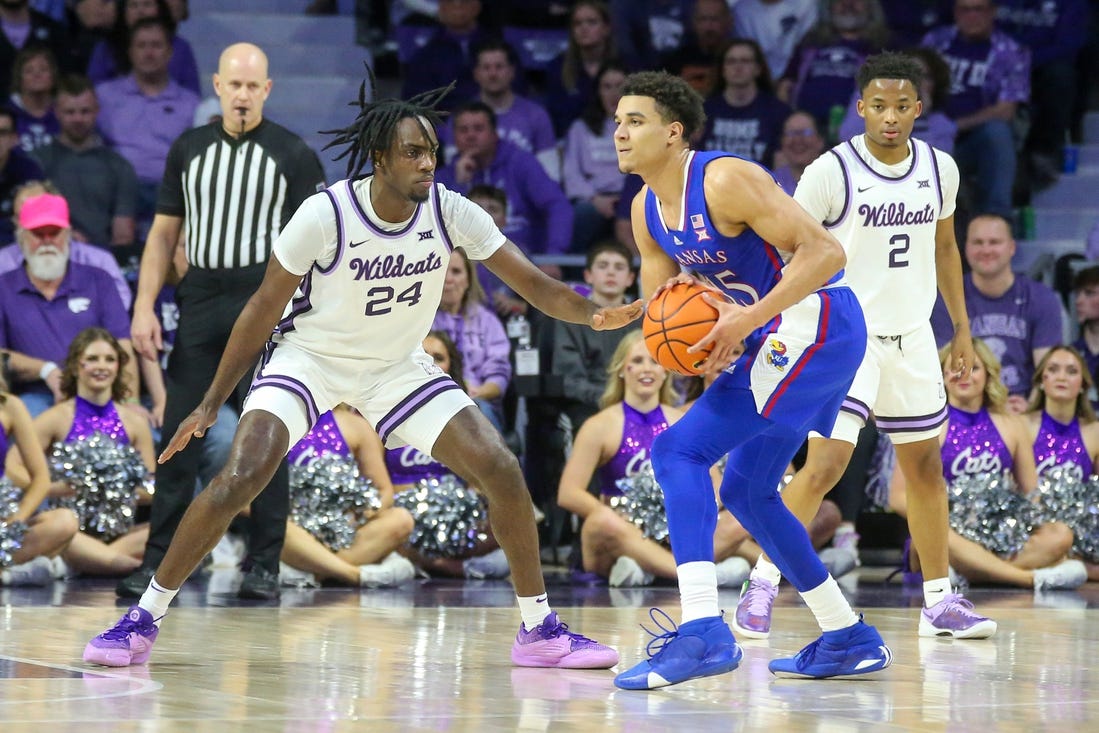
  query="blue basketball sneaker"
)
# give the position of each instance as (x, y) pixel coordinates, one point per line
(849, 652)
(698, 648)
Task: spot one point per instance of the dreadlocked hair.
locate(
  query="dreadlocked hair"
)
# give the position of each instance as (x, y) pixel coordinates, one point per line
(372, 131)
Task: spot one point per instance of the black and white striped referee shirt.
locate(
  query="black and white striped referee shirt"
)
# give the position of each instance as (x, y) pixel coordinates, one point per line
(236, 195)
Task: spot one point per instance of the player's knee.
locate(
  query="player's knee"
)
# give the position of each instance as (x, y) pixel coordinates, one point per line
(239, 482)
(497, 468)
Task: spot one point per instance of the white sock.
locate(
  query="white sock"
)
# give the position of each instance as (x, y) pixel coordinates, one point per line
(534, 609)
(767, 570)
(828, 605)
(156, 599)
(935, 590)
(5, 577)
(697, 590)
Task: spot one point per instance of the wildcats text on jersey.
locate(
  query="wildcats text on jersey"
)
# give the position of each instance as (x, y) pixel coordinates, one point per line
(393, 266)
(895, 214)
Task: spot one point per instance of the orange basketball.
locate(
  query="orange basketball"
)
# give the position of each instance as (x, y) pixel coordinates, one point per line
(675, 320)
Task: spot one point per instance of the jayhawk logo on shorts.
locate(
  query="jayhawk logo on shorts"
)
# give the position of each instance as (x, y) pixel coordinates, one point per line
(776, 354)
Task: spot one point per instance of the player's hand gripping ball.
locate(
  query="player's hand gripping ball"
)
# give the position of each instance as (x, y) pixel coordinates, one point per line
(676, 319)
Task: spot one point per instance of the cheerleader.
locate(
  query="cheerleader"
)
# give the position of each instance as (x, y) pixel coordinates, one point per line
(1065, 434)
(989, 470)
(614, 444)
(28, 540)
(343, 526)
(452, 537)
(101, 455)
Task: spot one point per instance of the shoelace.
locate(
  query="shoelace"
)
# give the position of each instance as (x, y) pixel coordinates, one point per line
(806, 656)
(121, 630)
(659, 640)
(759, 599)
(563, 629)
(965, 606)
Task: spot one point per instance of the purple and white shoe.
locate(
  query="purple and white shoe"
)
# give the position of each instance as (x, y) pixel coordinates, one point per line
(551, 644)
(128, 642)
(954, 616)
(753, 613)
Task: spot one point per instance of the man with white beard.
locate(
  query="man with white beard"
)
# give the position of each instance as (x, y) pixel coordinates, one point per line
(48, 301)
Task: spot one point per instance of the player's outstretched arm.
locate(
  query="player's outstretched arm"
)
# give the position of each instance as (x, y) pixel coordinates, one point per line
(254, 325)
(553, 297)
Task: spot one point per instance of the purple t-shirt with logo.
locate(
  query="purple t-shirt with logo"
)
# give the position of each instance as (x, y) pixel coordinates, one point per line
(824, 76)
(1026, 317)
(42, 328)
(752, 131)
(982, 73)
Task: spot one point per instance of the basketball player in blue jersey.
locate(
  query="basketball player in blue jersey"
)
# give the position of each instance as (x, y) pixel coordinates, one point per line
(352, 287)
(889, 198)
(724, 220)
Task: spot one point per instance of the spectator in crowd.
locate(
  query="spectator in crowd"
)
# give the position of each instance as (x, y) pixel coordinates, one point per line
(94, 391)
(279, 172)
(448, 56)
(38, 535)
(932, 126)
(709, 33)
(908, 22)
(342, 449)
(581, 358)
(23, 27)
(144, 112)
(776, 25)
(16, 169)
(591, 177)
(1085, 294)
(99, 184)
(33, 90)
(990, 78)
(1018, 318)
(90, 23)
(746, 117)
(616, 443)
(539, 215)
(801, 145)
(519, 120)
(48, 301)
(645, 30)
(1054, 31)
(981, 441)
(479, 336)
(570, 78)
(111, 58)
(821, 74)
(82, 253)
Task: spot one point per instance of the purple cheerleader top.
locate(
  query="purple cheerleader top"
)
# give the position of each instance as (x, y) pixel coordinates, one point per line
(639, 430)
(973, 445)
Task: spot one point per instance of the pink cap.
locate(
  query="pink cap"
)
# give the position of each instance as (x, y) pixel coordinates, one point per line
(44, 210)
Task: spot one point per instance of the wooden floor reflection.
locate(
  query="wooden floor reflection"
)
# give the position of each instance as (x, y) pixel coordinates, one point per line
(353, 663)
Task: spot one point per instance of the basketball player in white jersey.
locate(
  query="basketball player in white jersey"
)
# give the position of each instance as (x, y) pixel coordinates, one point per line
(357, 277)
(889, 199)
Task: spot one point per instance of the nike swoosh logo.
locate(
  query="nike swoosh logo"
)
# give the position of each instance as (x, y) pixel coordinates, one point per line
(863, 190)
(356, 244)
(541, 599)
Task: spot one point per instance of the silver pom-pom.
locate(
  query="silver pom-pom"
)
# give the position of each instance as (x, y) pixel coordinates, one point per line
(986, 509)
(451, 518)
(331, 500)
(106, 477)
(1061, 496)
(642, 502)
(880, 472)
(11, 533)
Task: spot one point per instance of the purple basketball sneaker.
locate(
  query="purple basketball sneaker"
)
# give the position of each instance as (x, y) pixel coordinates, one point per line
(551, 644)
(128, 642)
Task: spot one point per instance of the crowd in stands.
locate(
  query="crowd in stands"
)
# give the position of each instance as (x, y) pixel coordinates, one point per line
(97, 93)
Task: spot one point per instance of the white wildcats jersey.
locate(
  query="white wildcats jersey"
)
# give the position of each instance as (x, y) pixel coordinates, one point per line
(885, 217)
(370, 289)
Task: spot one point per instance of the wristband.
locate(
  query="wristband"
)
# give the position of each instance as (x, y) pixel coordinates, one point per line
(46, 370)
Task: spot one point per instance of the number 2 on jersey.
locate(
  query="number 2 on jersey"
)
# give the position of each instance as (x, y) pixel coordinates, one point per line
(378, 299)
(898, 244)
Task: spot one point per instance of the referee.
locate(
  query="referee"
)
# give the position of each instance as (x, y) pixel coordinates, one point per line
(231, 186)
